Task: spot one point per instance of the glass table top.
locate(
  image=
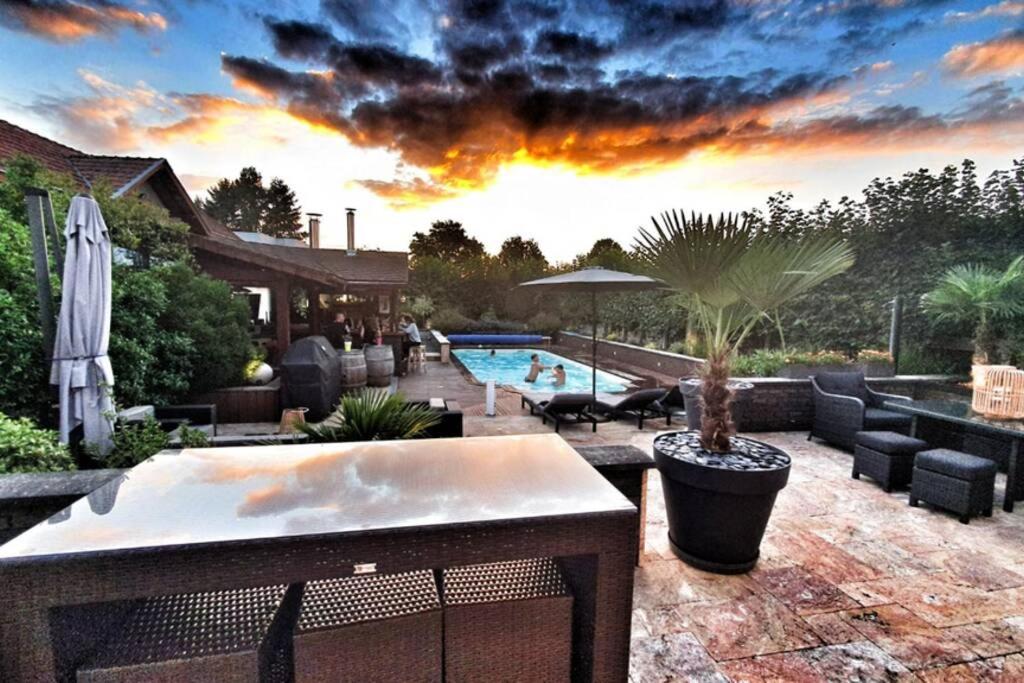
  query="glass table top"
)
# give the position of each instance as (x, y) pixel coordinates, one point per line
(961, 413)
(217, 495)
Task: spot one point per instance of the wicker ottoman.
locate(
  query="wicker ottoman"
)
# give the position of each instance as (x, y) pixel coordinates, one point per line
(954, 481)
(370, 628)
(218, 636)
(508, 621)
(886, 457)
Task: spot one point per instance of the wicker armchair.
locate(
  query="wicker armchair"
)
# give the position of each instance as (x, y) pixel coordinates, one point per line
(845, 405)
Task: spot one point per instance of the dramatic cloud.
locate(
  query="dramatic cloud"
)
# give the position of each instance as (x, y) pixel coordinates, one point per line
(606, 87)
(1001, 54)
(104, 118)
(67, 20)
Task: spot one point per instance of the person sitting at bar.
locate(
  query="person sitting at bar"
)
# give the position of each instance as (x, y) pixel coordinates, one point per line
(338, 330)
(558, 374)
(535, 368)
(412, 333)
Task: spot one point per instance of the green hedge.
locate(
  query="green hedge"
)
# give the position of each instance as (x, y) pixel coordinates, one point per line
(26, 448)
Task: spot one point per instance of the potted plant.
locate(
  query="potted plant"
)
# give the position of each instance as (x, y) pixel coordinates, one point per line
(719, 488)
(978, 296)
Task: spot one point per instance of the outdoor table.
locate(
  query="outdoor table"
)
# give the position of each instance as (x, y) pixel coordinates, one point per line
(217, 519)
(959, 413)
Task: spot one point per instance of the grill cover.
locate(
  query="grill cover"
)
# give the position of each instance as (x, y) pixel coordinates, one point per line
(311, 377)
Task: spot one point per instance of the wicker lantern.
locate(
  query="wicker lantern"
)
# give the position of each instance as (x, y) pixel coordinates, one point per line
(998, 392)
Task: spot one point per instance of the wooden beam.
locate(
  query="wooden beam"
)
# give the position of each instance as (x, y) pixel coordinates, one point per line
(314, 310)
(282, 316)
(35, 202)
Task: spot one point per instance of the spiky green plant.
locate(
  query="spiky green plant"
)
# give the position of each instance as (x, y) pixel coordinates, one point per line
(731, 277)
(978, 295)
(372, 416)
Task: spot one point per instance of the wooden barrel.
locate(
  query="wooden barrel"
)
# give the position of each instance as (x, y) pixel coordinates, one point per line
(380, 365)
(353, 370)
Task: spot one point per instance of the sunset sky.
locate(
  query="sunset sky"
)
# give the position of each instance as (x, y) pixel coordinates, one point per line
(564, 122)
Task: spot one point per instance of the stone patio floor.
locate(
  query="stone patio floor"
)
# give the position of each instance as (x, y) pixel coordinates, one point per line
(852, 585)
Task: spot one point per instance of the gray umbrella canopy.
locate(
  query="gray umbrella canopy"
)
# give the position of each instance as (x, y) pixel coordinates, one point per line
(81, 368)
(595, 281)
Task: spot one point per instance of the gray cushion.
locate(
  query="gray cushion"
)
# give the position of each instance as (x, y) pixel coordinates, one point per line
(955, 464)
(892, 443)
(877, 419)
(843, 383)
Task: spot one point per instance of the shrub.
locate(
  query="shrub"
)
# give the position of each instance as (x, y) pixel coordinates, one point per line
(815, 358)
(544, 323)
(192, 438)
(26, 448)
(449, 321)
(133, 443)
(23, 382)
(874, 356)
(760, 363)
(915, 360)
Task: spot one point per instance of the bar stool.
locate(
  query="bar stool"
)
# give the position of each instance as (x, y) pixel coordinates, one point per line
(417, 358)
(235, 635)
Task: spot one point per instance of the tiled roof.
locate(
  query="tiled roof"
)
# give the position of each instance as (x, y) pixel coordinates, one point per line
(15, 140)
(121, 172)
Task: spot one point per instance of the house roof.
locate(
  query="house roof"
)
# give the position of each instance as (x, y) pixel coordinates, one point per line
(330, 267)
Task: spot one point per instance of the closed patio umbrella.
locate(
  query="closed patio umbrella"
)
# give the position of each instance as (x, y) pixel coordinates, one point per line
(81, 369)
(594, 281)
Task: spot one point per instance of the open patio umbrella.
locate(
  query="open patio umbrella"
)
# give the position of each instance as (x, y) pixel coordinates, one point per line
(594, 281)
(81, 368)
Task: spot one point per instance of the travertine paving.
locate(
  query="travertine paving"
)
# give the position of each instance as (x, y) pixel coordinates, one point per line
(852, 585)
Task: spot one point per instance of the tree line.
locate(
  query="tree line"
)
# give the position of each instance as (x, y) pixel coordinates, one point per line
(906, 232)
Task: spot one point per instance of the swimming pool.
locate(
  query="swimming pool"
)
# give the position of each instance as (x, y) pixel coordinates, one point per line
(509, 367)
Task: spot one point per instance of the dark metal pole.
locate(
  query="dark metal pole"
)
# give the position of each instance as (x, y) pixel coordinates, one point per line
(895, 331)
(34, 201)
(593, 346)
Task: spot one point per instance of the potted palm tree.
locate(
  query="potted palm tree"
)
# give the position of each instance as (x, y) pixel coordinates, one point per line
(719, 488)
(978, 296)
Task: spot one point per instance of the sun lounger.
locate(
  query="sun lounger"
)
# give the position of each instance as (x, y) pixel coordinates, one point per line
(561, 408)
(640, 406)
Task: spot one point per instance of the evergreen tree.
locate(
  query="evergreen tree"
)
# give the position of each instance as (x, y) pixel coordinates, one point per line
(245, 204)
(221, 203)
(251, 198)
(282, 217)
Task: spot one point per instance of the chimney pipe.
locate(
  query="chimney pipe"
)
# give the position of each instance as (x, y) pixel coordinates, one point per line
(314, 230)
(351, 216)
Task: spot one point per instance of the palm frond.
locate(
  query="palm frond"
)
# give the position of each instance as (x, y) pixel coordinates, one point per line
(372, 416)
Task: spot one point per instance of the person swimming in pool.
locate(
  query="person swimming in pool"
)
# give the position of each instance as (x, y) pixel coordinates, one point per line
(535, 368)
(558, 373)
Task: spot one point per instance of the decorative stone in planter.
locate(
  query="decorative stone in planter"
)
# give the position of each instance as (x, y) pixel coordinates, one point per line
(718, 504)
(690, 389)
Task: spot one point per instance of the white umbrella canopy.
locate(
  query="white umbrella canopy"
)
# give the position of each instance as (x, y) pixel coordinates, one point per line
(81, 368)
(595, 281)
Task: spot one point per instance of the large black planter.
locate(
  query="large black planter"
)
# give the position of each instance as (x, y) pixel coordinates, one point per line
(718, 504)
(690, 389)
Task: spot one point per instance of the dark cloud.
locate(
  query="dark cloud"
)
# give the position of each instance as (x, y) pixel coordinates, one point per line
(365, 19)
(510, 80)
(299, 39)
(570, 46)
(67, 21)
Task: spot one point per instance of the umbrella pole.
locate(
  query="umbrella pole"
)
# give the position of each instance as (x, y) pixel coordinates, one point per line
(593, 348)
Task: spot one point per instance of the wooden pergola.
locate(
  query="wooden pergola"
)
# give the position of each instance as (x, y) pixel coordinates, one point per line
(282, 269)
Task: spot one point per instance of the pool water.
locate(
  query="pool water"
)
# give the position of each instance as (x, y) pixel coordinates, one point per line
(509, 367)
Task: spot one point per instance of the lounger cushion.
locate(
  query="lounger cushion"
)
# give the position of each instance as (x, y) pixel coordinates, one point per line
(892, 443)
(955, 464)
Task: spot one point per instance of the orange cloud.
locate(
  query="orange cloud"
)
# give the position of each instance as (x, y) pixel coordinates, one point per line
(68, 21)
(998, 55)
